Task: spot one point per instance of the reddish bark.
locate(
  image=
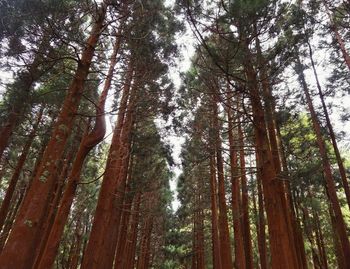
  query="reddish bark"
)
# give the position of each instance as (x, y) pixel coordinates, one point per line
(130, 248)
(245, 207)
(240, 259)
(89, 141)
(283, 250)
(49, 222)
(9, 221)
(123, 231)
(108, 188)
(261, 220)
(75, 256)
(214, 215)
(298, 251)
(224, 235)
(329, 180)
(145, 242)
(109, 243)
(32, 212)
(16, 174)
(330, 129)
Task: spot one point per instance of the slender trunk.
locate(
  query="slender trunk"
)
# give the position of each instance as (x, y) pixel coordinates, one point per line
(245, 206)
(336, 241)
(108, 247)
(261, 220)
(214, 215)
(16, 174)
(74, 261)
(9, 221)
(321, 243)
(130, 249)
(330, 129)
(329, 180)
(240, 259)
(122, 234)
(224, 234)
(32, 212)
(143, 259)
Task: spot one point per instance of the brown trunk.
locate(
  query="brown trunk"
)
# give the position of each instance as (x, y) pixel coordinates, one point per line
(276, 155)
(32, 212)
(283, 253)
(16, 174)
(123, 231)
(130, 249)
(336, 242)
(87, 144)
(245, 206)
(198, 261)
(214, 215)
(108, 247)
(329, 180)
(261, 220)
(330, 129)
(224, 234)
(200, 238)
(74, 260)
(320, 239)
(143, 259)
(57, 194)
(9, 221)
(108, 189)
(240, 259)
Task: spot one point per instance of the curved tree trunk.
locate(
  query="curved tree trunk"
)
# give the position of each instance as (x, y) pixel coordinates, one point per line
(89, 141)
(31, 214)
(108, 188)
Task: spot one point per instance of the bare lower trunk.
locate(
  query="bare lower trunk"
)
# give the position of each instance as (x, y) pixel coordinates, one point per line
(15, 176)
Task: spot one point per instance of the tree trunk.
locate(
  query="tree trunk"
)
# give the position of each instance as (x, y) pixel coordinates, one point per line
(89, 141)
(9, 221)
(225, 245)
(330, 129)
(110, 180)
(16, 174)
(330, 185)
(31, 214)
(130, 249)
(245, 206)
(214, 215)
(261, 220)
(123, 230)
(240, 259)
(283, 253)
